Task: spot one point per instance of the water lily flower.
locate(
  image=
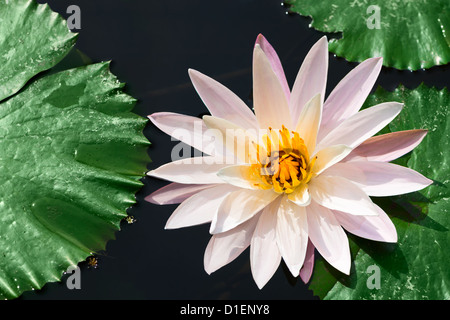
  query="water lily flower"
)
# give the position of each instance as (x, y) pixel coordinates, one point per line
(302, 169)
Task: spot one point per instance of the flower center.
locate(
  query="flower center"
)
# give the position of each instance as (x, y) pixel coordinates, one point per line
(283, 162)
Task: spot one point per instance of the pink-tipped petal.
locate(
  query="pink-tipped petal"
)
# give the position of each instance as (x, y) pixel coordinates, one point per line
(222, 102)
(264, 254)
(338, 193)
(225, 247)
(349, 95)
(328, 237)
(274, 62)
(377, 228)
(200, 170)
(200, 208)
(311, 78)
(270, 103)
(308, 265)
(387, 147)
(292, 234)
(380, 179)
(239, 206)
(355, 130)
(175, 193)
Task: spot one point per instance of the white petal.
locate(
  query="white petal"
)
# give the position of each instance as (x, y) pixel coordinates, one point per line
(361, 126)
(200, 170)
(292, 234)
(264, 254)
(380, 179)
(238, 141)
(175, 193)
(378, 228)
(225, 247)
(338, 193)
(222, 102)
(270, 104)
(200, 208)
(329, 156)
(239, 175)
(349, 95)
(311, 78)
(309, 122)
(239, 206)
(328, 237)
(347, 171)
(300, 196)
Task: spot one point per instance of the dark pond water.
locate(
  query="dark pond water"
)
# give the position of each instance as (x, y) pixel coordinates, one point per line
(152, 44)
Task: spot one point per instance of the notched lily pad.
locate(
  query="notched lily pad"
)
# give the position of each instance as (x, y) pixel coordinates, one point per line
(33, 38)
(411, 34)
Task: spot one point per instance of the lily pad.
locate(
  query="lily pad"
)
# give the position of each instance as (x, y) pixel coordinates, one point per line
(33, 38)
(409, 34)
(417, 266)
(72, 153)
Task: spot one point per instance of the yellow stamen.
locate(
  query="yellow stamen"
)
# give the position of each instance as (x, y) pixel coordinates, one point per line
(286, 138)
(283, 162)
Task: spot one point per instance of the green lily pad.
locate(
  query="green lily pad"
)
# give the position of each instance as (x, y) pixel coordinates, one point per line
(72, 153)
(408, 34)
(417, 266)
